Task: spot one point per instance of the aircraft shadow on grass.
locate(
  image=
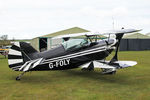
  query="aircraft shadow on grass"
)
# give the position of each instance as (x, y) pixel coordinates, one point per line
(93, 76)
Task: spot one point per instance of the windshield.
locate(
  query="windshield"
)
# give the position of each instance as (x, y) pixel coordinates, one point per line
(75, 43)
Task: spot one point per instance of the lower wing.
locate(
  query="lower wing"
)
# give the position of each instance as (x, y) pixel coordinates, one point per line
(107, 67)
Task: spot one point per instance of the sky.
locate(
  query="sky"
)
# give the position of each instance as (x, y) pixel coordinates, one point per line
(27, 19)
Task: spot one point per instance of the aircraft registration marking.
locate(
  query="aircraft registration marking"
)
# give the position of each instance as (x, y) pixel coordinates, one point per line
(59, 63)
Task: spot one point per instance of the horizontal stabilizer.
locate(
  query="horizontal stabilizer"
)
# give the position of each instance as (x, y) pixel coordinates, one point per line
(120, 64)
(124, 64)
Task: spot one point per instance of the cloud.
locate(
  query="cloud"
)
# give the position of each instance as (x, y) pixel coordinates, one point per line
(31, 18)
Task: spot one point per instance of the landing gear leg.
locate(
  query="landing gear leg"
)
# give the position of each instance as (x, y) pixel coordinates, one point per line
(19, 77)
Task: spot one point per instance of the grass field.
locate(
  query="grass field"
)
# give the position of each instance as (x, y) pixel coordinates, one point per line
(128, 84)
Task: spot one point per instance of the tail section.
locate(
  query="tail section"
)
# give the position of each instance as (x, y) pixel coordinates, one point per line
(20, 53)
(15, 59)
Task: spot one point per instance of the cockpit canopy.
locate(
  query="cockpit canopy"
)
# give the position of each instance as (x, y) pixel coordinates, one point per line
(75, 44)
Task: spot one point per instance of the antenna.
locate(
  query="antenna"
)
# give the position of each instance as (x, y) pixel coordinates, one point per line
(113, 22)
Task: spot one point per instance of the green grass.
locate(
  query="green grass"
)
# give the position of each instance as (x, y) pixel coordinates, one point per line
(128, 84)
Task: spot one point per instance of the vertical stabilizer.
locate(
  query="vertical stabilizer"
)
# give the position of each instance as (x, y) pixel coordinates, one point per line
(20, 53)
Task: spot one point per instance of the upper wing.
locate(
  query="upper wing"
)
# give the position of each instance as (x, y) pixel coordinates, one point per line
(120, 31)
(98, 33)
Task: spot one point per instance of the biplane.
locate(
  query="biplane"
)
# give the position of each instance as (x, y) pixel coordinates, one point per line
(73, 53)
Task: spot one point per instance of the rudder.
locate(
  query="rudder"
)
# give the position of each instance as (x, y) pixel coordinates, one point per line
(19, 53)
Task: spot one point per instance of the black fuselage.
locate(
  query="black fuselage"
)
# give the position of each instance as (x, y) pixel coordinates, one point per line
(61, 59)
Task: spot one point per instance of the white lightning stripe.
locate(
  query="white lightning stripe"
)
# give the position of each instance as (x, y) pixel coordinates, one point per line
(14, 61)
(37, 62)
(14, 52)
(15, 69)
(76, 53)
(74, 56)
(16, 66)
(24, 65)
(28, 65)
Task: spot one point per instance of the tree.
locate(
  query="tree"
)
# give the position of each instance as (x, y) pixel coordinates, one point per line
(4, 37)
(4, 40)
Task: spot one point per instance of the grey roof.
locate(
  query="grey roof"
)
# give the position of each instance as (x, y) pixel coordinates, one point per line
(67, 31)
(148, 34)
(136, 36)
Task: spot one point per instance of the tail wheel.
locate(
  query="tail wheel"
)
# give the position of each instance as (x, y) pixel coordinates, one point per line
(17, 78)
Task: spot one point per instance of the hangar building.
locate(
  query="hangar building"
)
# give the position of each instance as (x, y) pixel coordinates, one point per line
(46, 42)
(148, 34)
(131, 42)
(135, 42)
